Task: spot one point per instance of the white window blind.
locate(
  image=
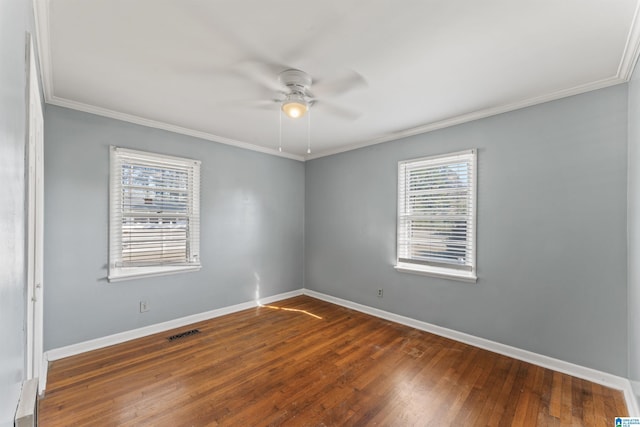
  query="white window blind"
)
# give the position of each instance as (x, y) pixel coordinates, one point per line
(154, 214)
(436, 215)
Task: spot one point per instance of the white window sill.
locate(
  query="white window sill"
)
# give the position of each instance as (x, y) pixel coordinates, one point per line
(445, 273)
(128, 273)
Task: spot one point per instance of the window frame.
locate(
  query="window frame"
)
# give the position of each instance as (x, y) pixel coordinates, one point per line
(117, 271)
(434, 268)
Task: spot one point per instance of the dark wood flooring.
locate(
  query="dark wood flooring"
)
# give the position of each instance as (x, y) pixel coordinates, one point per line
(305, 362)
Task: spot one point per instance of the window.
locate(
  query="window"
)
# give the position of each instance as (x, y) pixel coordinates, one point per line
(436, 215)
(154, 219)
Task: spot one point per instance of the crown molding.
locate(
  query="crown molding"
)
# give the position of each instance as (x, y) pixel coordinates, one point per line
(626, 67)
(476, 115)
(87, 108)
(631, 48)
(624, 73)
(41, 11)
(41, 15)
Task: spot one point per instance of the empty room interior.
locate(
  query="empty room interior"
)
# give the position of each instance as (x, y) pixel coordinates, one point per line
(319, 213)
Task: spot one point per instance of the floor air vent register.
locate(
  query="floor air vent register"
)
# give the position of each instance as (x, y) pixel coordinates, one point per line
(183, 335)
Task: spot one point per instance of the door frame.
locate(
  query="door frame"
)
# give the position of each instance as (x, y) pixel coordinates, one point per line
(35, 218)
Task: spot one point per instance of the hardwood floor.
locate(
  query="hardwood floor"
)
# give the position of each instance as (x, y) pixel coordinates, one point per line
(305, 362)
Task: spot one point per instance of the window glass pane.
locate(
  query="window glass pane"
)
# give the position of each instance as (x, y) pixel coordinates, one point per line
(154, 212)
(436, 211)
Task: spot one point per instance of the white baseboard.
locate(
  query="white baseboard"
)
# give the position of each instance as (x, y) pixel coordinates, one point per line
(598, 377)
(635, 398)
(82, 347)
(44, 371)
(27, 405)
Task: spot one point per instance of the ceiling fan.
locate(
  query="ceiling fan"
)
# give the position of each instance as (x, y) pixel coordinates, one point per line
(298, 99)
(293, 89)
(296, 91)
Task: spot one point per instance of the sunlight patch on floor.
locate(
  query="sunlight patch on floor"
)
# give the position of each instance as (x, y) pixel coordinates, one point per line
(291, 309)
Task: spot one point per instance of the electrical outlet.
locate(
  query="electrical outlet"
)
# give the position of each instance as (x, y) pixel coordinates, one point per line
(144, 306)
(380, 293)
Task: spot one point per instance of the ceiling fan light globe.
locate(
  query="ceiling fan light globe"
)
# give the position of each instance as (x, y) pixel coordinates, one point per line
(294, 109)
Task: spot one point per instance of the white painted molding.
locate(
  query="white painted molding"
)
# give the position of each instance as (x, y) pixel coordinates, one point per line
(82, 347)
(634, 406)
(384, 138)
(598, 377)
(99, 111)
(631, 48)
(44, 372)
(589, 374)
(41, 11)
(27, 404)
(476, 115)
(632, 402)
(41, 15)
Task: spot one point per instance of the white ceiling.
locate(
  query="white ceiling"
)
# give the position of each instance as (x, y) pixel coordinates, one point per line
(186, 65)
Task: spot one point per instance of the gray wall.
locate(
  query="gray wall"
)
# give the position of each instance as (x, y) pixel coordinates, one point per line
(15, 19)
(252, 224)
(551, 230)
(633, 222)
(552, 217)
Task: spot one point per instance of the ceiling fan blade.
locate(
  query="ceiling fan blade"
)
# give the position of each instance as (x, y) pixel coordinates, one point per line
(263, 73)
(308, 43)
(221, 29)
(337, 110)
(195, 69)
(266, 104)
(323, 31)
(349, 81)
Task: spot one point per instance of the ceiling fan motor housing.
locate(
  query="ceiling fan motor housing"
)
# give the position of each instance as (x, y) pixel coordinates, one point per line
(296, 80)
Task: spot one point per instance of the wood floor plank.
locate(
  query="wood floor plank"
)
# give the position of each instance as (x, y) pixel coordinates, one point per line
(555, 405)
(302, 362)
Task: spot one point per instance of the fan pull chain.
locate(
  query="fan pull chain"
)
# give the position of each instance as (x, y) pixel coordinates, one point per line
(280, 130)
(309, 131)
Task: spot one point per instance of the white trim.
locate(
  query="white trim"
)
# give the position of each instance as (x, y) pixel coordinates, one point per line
(143, 272)
(633, 401)
(631, 49)
(598, 377)
(74, 349)
(165, 159)
(443, 273)
(404, 255)
(43, 37)
(44, 372)
(41, 10)
(118, 209)
(476, 115)
(54, 100)
(34, 242)
(41, 15)
(27, 405)
(452, 121)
